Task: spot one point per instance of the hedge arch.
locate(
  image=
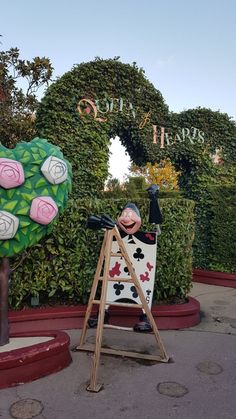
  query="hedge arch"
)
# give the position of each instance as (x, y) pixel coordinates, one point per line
(97, 100)
(195, 158)
(130, 97)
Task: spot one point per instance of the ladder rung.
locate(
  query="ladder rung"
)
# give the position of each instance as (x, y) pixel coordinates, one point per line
(113, 303)
(121, 279)
(112, 326)
(116, 254)
(120, 352)
(118, 279)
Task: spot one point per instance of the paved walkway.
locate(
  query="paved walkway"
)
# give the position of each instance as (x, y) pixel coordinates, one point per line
(199, 383)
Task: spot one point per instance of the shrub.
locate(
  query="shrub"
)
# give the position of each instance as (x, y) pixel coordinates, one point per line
(62, 267)
(221, 227)
(214, 246)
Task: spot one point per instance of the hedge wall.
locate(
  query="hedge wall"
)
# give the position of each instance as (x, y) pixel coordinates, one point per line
(224, 229)
(215, 240)
(61, 268)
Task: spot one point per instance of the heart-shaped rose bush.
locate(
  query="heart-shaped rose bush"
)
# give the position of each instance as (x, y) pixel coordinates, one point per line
(35, 180)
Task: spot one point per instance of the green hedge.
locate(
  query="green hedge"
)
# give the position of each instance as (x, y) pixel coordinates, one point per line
(84, 141)
(215, 243)
(61, 268)
(224, 229)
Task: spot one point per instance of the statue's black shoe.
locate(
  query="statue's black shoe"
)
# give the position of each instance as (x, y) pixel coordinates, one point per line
(143, 325)
(93, 321)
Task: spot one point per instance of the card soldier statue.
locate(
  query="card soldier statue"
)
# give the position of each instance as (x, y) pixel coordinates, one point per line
(141, 247)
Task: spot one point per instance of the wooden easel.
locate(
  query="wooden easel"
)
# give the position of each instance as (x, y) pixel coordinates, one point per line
(102, 274)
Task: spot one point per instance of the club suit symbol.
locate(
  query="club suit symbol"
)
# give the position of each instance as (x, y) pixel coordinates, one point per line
(138, 254)
(118, 287)
(126, 270)
(134, 292)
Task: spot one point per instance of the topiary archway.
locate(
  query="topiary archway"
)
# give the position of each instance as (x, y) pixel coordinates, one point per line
(92, 103)
(97, 100)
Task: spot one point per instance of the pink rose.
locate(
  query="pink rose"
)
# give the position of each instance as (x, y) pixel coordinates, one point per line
(43, 210)
(11, 173)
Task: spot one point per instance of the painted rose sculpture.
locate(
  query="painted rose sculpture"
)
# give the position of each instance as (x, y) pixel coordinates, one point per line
(35, 180)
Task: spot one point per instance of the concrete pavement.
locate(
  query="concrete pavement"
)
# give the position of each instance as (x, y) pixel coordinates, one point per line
(199, 382)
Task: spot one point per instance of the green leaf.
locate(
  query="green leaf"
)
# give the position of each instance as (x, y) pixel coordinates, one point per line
(45, 192)
(10, 193)
(54, 189)
(24, 223)
(5, 244)
(28, 184)
(42, 153)
(17, 247)
(10, 206)
(29, 197)
(23, 211)
(41, 182)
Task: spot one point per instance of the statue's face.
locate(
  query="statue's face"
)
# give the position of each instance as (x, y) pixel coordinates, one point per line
(129, 221)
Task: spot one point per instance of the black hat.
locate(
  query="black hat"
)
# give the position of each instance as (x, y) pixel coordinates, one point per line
(133, 207)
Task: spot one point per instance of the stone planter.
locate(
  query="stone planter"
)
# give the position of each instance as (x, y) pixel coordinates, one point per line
(222, 279)
(30, 360)
(176, 316)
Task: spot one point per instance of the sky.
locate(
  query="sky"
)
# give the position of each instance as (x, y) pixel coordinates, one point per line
(186, 47)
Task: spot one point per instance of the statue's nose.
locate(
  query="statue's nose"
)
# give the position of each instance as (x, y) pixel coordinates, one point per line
(126, 219)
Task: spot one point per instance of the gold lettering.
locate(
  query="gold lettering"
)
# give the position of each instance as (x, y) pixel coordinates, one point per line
(86, 106)
(154, 128)
(145, 120)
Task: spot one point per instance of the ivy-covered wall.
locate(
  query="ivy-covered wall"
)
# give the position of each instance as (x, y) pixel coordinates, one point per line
(129, 106)
(61, 269)
(97, 100)
(121, 88)
(195, 158)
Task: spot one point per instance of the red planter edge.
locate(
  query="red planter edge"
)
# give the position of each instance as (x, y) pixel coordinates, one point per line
(167, 317)
(26, 364)
(222, 279)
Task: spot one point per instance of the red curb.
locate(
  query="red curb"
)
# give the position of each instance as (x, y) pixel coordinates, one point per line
(176, 316)
(222, 279)
(167, 317)
(30, 363)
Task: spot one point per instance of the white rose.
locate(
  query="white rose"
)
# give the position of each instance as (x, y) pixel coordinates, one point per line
(8, 225)
(54, 170)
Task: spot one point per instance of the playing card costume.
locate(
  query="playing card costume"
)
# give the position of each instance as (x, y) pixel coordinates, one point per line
(141, 248)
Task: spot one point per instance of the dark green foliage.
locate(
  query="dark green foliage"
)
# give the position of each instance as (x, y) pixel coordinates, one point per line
(219, 129)
(85, 141)
(223, 229)
(174, 258)
(17, 106)
(135, 187)
(62, 268)
(215, 242)
(194, 158)
(200, 176)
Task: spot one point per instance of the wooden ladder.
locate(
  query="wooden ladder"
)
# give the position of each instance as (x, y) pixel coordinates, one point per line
(102, 274)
